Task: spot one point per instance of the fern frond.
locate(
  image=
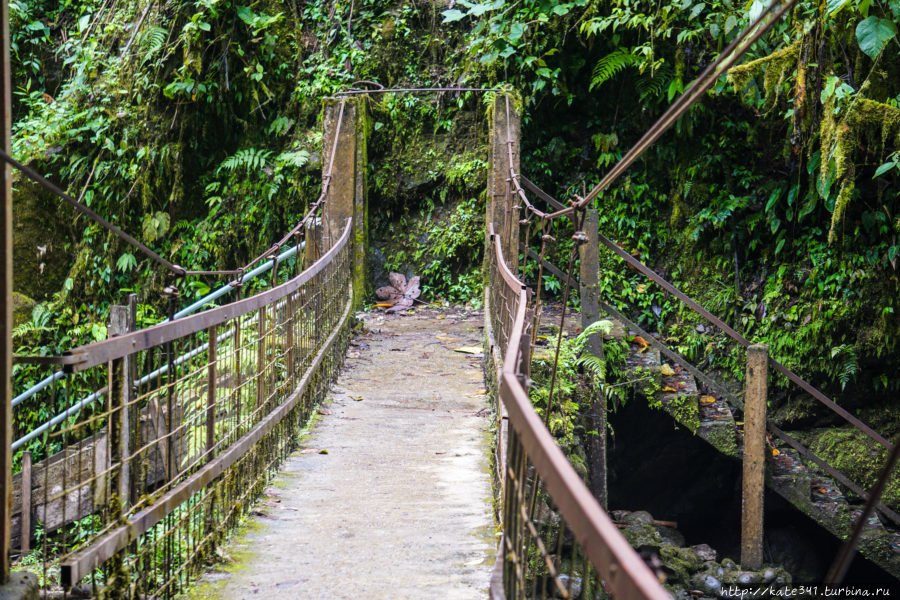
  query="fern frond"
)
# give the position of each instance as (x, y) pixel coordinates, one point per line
(594, 365)
(249, 159)
(151, 41)
(297, 158)
(654, 85)
(608, 66)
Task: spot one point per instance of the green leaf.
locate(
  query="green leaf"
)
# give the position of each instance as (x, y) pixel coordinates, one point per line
(832, 6)
(453, 15)
(873, 34)
(516, 31)
(884, 169)
(246, 15)
(83, 22)
(730, 23)
(126, 262)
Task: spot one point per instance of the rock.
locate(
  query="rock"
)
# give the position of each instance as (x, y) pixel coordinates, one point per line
(748, 578)
(22, 307)
(768, 575)
(573, 584)
(706, 583)
(639, 530)
(705, 552)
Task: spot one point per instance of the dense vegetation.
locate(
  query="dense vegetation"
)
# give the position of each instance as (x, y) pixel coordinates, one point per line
(194, 123)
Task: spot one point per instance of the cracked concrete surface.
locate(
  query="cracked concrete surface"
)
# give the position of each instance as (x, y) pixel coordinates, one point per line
(400, 506)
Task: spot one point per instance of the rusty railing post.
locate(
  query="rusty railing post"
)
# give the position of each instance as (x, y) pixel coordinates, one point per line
(589, 292)
(260, 358)
(6, 296)
(345, 160)
(119, 435)
(25, 522)
(211, 394)
(754, 457)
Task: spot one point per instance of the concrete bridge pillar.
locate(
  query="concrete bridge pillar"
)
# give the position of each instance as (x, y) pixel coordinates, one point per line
(345, 119)
(505, 130)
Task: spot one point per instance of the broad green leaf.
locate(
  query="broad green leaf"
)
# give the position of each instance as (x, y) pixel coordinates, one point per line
(873, 33)
(516, 31)
(832, 6)
(730, 23)
(245, 14)
(83, 22)
(453, 15)
(884, 169)
(126, 262)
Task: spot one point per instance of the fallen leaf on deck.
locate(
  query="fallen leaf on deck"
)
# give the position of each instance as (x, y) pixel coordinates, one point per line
(441, 337)
(322, 411)
(775, 452)
(707, 399)
(323, 451)
(469, 349)
(640, 341)
(481, 392)
(400, 294)
(356, 398)
(669, 389)
(666, 370)
(383, 305)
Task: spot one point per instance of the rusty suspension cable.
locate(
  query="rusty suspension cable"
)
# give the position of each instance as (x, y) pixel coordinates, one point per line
(172, 267)
(382, 90)
(695, 90)
(91, 214)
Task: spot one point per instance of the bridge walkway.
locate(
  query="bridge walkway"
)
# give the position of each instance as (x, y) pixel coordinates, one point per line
(390, 493)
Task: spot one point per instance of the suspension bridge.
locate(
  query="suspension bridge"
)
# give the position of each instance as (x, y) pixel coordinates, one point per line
(129, 491)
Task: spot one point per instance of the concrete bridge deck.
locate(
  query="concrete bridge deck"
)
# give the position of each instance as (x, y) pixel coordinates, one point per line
(400, 506)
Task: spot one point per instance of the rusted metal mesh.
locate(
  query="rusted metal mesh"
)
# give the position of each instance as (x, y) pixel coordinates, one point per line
(142, 484)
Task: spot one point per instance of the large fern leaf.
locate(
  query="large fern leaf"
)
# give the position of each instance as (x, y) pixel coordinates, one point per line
(652, 86)
(151, 42)
(249, 159)
(608, 66)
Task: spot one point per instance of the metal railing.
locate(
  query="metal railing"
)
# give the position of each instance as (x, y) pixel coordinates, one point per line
(137, 490)
(557, 539)
(733, 399)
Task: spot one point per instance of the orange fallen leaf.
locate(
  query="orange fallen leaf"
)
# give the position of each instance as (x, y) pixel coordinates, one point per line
(669, 389)
(641, 341)
(707, 399)
(775, 452)
(383, 305)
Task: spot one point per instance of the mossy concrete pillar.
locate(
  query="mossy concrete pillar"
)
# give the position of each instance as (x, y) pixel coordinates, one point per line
(21, 585)
(344, 159)
(502, 204)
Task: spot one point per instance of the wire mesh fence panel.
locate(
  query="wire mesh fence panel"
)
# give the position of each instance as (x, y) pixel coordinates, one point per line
(161, 439)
